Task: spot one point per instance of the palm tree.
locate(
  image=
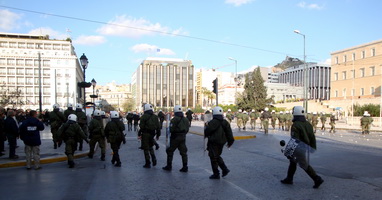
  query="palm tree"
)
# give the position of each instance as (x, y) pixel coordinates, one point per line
(209, 95)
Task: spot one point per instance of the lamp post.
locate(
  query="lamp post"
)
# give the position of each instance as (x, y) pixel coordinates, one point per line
(305, 75)
(230, 58)
(84, 63)
(94, 83)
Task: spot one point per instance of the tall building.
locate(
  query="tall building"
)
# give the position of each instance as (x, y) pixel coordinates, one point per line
(283, 92)
(19, 70)
(318, 79)
(357, 72)
(164, 83)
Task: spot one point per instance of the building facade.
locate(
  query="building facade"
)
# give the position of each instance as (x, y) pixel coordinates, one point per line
(357, 72)
(164, 83)
(318, 79)
(283, 92)
(20, 58)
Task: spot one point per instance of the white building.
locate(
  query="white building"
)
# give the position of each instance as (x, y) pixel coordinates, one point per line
(19, 70)
(164, 83)
(283, 91)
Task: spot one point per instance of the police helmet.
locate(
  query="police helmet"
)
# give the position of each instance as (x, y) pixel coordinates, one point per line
(266, 108)
(217, 111)
(147, 107)
(97, 113)
(177, 109)
(72, 117)
(70, 105)
(56, 106)
(114, 114)
(79, 106)
(298, 111)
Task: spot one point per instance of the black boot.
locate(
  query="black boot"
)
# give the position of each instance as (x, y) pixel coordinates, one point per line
(184, 169)
(118, 164)
(147, 165)
(167, 168)
(317, 182)
(215, 176)
(103, 157)
(287, 181)
(225, 172)
(71, 164)
(154, 160)
(90, 155)
(54, 145)
(156, 146)
(113, 160)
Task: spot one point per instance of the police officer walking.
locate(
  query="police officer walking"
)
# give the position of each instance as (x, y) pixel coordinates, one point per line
(179, 127)
(228, 116)
(69, 111)
(302, 130)
(129, 118)
(189, 115)
(149, 127)
(219, 132)
(136, 119)
(114, 135)
(333, 123)
(56, 120)
(161, 118)
(97, 135)
(82, 121)
(265, 119)
(323, 121)
(71, 133)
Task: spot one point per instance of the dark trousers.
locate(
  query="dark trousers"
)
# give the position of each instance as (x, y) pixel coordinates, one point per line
(177, 143)
(214, 152)
(129, 126)
(12, 146)
(1, 144)
(147, 145)
(115, 147)
(293, 167)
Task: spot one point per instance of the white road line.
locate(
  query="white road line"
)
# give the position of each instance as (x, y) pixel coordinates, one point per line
(250, 195)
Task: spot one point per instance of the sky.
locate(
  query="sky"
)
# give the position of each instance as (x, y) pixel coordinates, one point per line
(115, 38)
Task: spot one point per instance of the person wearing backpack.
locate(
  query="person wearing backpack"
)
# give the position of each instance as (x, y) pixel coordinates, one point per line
(114, 134)
(219, 132)
(97, 135)
(71, 133)
(56, 120)
(149, 127)
(179, 126)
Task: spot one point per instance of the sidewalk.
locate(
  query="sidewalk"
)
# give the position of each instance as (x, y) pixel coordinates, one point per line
(47, 153)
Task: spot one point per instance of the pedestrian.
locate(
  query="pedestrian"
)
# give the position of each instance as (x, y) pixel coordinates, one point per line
(97, 135)
(3, 137)
(136, 119)
(303, 132)
(314, 121)
(30, 135)
(179, 127)
(82, 122)
(333, 123)
(114, 134)
(265, 119)
(69, 111)
(189, 115)
(219, 132)
(70, 132)
(56, 119)
(323, 120)
(273, 119)
(129, 118)
(11, 129)
(239, 119)
(161, 118)
(149, 128)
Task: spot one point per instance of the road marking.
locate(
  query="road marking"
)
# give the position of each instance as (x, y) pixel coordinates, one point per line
(250, 195)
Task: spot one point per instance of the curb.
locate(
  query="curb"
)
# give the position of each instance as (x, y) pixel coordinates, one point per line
(42, 161)
(244, 137)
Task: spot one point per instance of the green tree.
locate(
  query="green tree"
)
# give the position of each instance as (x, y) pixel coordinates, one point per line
(10, 97)
(198, 109)
(128, 105)
(255, 93)
(210, 96)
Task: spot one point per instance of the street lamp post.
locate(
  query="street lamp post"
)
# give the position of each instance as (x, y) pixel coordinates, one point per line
(94, 83)
(230, 58)
(305, 75)
(84, 63)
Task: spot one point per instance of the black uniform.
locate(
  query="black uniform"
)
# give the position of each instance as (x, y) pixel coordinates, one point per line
(189, 116)
(129, 118)
(161, 118)
(136, 119)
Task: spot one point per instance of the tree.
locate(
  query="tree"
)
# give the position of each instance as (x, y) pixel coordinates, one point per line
(128, 105)
(210, 96)
(10, 97)
(255, 93)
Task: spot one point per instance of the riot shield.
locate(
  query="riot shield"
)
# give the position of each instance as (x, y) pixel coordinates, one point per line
(168, 133)
(298, 151)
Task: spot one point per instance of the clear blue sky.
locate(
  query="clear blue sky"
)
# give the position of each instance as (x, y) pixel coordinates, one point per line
(114, 52)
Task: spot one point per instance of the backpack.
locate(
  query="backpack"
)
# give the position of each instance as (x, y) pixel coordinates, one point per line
(152, 123)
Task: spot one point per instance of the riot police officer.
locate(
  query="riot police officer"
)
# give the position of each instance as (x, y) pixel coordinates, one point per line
(97, 135)
(56, 120)
(179, 126)
(114, 135)
(219, 132)
(82, 121)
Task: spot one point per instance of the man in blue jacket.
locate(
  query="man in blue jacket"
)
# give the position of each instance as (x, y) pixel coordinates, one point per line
(11, 129)
(30, 134)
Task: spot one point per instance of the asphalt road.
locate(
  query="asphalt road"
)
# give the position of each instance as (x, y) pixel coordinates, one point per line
(350, 171)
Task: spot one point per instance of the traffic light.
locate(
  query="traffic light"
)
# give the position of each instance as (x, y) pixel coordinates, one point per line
(215, 86)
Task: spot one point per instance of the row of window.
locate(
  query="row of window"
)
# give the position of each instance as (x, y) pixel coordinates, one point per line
(353, 56)
(22, 81)
(24, 62)
(352, 93)
(23, 45)
(47, 53)
(362, 73)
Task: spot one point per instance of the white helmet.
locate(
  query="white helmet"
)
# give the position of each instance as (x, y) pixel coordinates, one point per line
(70, 105)
(273, 111)
(114, 114)
(229, 110)
(56, 106)
(253, 110)
(323, 113)
(188, 108)
(365, 113)
(368, 115)
(72, 117)
(177, 109)
(287, 112)
(239, 110)
(217, 111)
(281, 112)
(160, 110)
(79, 106)
(97, 113)
(147, 107)
(314, 113)
(245, 112)
(266, 108)
(298, 111)
(333, 113)
(103, 113)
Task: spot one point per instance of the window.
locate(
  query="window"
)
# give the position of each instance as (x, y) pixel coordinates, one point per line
(372, 52)
(353, 92)
(362, 91)
(344, 92)
(372, 71)
(336, 93)
(336, 76)
(343, 75)
(372, 90)
(336, 60)
(352, 73)
(363, 54)
(362, 72)
(345, 58)
(353, 56)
